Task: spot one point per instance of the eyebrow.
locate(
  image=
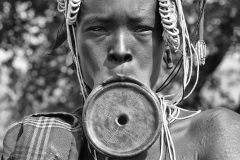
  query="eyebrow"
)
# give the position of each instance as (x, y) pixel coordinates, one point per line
(110, 19)
(97, 18)
(139, 19)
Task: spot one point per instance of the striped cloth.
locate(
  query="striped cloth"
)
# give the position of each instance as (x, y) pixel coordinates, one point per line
(52, 136)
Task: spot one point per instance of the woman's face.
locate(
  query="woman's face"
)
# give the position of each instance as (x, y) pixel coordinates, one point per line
(120, 38)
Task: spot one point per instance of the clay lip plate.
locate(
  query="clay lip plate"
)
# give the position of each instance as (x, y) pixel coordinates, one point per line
(121, 118)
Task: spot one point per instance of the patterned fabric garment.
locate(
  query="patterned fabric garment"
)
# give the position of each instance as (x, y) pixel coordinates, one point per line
(51, 136)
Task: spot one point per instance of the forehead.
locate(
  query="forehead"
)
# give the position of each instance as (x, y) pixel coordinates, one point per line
(119, 8)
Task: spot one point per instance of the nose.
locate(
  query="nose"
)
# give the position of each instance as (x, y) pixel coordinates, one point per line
(120, 51)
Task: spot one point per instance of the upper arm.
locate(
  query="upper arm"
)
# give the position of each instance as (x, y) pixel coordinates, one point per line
(13, 134)
(221, 137)
(44, 136)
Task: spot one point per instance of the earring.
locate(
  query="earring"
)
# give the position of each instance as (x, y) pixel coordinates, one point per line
(167, 58)
(201, 50)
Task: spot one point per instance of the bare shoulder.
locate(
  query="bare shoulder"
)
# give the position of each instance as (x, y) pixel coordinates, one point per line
(218, 134)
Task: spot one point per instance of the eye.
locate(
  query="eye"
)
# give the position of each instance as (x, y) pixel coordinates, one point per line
(143, 29)
(97, 29)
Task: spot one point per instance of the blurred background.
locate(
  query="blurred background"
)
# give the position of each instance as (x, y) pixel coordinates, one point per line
(33, 81)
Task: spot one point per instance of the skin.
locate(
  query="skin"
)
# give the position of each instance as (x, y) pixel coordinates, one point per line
(124, 38)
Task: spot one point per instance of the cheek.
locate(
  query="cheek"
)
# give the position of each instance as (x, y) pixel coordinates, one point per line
(157, 61)
(158, 53)
(143, 53)
(91, 60)
(158, 48)
(150, 54)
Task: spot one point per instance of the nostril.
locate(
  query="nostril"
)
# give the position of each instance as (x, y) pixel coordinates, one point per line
(120, 58)
(112, 57)
(127, 58)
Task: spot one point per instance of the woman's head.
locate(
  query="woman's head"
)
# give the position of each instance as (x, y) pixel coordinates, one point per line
(120, 38)
(112, 38)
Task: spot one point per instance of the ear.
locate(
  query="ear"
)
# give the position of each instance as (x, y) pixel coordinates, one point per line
(167, 58)
(61, 36)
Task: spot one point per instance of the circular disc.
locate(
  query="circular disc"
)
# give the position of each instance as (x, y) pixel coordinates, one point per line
(121, 119)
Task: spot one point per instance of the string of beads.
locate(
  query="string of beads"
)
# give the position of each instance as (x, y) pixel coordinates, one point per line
(167, 11)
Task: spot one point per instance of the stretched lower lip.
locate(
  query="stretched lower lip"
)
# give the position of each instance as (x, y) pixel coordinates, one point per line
(120, 78)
